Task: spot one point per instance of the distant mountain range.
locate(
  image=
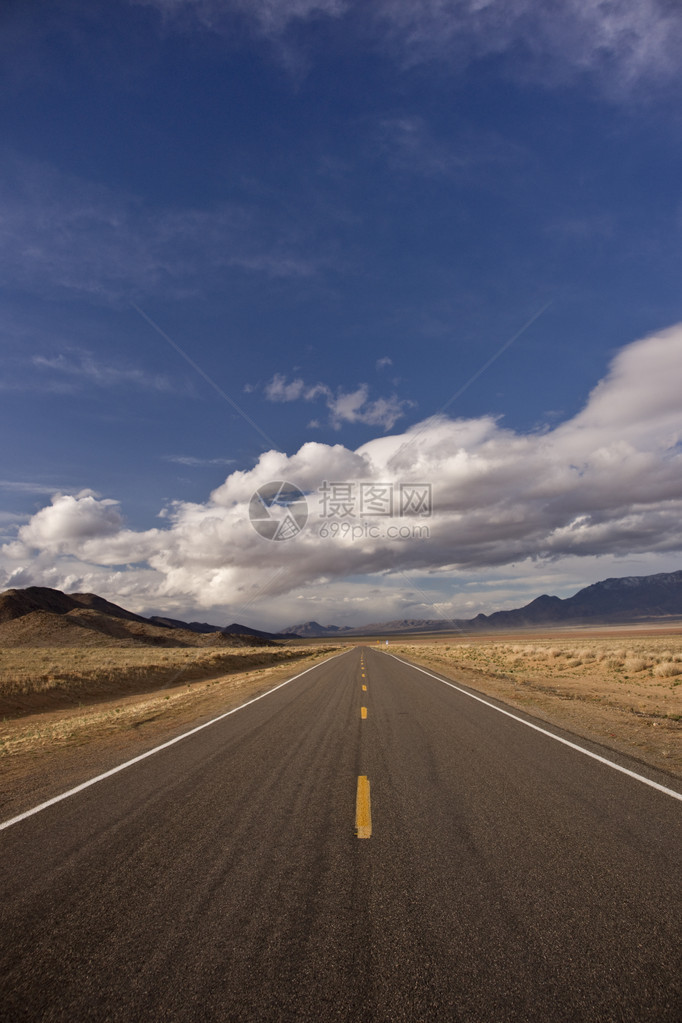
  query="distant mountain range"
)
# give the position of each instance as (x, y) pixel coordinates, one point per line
(310, 630)
(39, 616)
(203, 627)
(627, 599)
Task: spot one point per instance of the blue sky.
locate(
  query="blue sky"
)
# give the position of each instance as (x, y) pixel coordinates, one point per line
(383, 242)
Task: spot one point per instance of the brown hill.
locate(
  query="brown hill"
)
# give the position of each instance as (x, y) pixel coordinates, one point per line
(95, 603)
(86, 628)
(17, 603)
(130, 630)
(39, 616)
(44, 628)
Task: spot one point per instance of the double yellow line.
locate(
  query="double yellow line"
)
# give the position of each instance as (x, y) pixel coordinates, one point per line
(363, 805)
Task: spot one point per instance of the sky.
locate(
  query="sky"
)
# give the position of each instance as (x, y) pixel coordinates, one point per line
(345, 310)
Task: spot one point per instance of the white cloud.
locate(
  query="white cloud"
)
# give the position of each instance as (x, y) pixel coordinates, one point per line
(356, 407)
(602, 486)
(193, 462)
(274, 16)
(624, 43)
(71, 520)
(28, 487)
(84, 527)
(344, 406)
(81, 365)
(279, 390)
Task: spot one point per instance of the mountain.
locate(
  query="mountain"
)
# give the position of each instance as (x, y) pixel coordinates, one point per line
(625, 599)
(175, 623)
(39, 616)
(229, 630)
(308, 630)
(15, 603)
(400, 625)
(243, 630)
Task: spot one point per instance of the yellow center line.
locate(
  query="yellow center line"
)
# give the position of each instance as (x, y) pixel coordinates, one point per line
(363, 712)
(364, 689)
(363, 809)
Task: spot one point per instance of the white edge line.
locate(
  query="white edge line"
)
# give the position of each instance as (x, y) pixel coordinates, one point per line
(156, 749)
(557, 738)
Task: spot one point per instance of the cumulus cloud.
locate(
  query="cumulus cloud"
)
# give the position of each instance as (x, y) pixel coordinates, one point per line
(279, 390)
(84, 527)
(606, 483)
(71, 520)
(344, 406)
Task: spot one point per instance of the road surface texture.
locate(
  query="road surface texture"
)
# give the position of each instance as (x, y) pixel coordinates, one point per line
(429, 860)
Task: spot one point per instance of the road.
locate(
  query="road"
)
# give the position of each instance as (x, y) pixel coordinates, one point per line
(484, 872)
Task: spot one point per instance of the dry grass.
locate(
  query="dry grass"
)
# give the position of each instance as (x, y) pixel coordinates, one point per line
(641, 676)
(51, 731)
(30, 675)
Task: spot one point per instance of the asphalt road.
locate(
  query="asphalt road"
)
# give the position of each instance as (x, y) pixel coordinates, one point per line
(503, 876)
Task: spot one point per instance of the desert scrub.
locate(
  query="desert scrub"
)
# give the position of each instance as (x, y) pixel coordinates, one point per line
(635, 664)
(666, 669)
(68, 670)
